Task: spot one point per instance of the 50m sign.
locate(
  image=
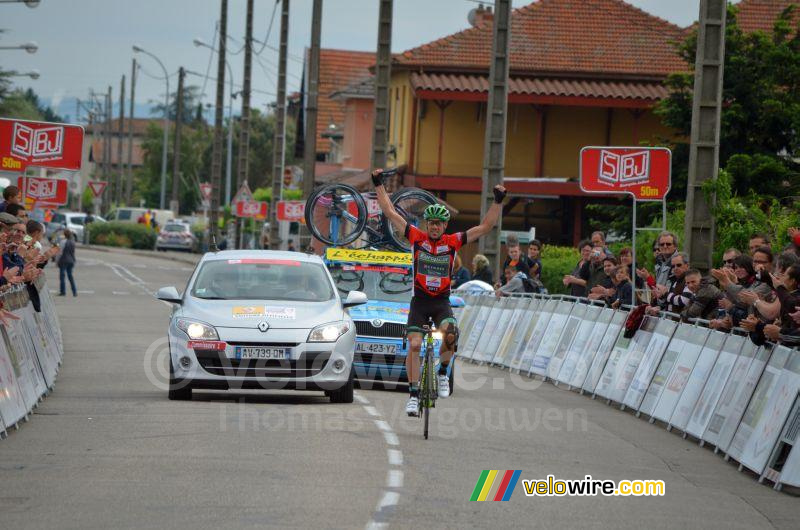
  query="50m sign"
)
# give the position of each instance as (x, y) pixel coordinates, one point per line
(26, 144)
(643, 172)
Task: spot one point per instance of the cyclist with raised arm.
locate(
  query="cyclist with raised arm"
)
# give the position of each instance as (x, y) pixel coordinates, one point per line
(433, 254)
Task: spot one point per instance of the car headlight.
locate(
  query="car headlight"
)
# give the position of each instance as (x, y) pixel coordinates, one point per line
(197, 330)
(328, 332)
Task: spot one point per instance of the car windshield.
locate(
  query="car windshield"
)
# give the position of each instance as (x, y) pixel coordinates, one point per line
(123, 215)
(379, 282)
(76, 219)
(262, 279)
(175, 228)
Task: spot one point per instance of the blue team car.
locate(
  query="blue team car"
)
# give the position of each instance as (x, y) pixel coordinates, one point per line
(387, 280)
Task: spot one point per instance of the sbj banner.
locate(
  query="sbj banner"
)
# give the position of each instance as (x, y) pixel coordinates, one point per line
(44, 190)
(26, 144)
(643, 172)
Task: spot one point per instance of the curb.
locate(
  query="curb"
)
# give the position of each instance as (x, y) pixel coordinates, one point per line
(191, 259)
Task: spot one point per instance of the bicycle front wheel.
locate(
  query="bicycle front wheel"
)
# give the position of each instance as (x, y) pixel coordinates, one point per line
(411, 204)
(430, 389)
(336, 214)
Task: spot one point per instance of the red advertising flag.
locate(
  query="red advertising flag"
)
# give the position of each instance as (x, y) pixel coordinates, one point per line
(44, 190)
(26, 144)
(643, 172)
(255, 209)
(291, 210)
(97, 187)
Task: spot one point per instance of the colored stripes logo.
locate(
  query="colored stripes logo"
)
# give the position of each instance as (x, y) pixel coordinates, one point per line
(495, 485)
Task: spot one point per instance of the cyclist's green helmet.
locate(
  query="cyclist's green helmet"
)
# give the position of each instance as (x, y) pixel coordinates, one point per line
(437, 212)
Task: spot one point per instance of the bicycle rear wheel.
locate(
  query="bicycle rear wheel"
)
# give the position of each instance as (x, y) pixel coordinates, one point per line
(430, 391)
(411, 204)
(336, 214)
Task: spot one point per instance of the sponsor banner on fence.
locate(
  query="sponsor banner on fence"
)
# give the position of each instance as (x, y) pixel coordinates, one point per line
(551, 338)
(662, 334)
(664, 370)
(697, 379)
(567, 338)
(602, 327)
(612, 336)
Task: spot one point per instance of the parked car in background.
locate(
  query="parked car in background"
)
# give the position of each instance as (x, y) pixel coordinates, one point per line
(176, 235)
(74, 221)
(132, 215)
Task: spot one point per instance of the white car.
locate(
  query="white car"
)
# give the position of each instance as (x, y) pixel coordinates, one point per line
(74, 221)
(261, 319)
(176, 236)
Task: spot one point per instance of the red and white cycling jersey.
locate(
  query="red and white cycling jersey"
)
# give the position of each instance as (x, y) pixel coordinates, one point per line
(433, 261)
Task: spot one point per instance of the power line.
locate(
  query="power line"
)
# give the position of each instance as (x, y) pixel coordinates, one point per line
(269, 29)
(210, 57)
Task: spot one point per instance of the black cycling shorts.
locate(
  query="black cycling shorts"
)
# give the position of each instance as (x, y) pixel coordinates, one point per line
(422, 308)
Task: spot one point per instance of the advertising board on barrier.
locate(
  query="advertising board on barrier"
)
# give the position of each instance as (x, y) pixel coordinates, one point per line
(697, 379)
(537, 333)
(12, 403)
(727, 403)
(502, 315)
(680, 374)
(714, 385)
(626, 370)
(552, 335)
(521, 341)
(609, 342)
(606, 324)
(492, 321)
(567, 365)
(567, 337)
(664, 370)
(477, 328)
(518, 307)
(662, 334)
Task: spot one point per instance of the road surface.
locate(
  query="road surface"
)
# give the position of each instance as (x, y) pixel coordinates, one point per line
(107, 449)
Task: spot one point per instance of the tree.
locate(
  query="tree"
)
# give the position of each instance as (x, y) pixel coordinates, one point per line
(760, 125)
(191, 100)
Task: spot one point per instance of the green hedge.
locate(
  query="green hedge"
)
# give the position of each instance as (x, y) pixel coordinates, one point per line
(127, 235)
(556, 262)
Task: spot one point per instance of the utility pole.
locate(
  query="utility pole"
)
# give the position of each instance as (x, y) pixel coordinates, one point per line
(383, 77)
(216, 151)
(699, 226)
(494, 147)
(107, 149)
(176, 161)
(120, 135)
(129, 179)
(310, 142)
(244, 129)
(280, 128)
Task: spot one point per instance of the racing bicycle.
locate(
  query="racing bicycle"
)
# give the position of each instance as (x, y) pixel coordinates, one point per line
(428, 387)
(338, 215)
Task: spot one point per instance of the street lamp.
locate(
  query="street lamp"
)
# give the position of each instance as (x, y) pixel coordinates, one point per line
(139, 49)
(30, 47)
(228, 156)
(29, 3)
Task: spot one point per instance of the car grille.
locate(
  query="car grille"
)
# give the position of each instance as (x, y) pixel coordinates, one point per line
(388, 329)
(309, 364)
(379, 358)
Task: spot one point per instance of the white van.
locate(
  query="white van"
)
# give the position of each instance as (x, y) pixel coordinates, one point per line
(131, 215)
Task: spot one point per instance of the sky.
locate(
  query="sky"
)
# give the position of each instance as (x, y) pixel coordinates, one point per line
(86, 44)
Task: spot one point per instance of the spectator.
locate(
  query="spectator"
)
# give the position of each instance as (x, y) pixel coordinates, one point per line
(290, 246)
(756, 241)
(577, 279)
(66, 262)
(148, 216)
(678, 297)
(460, 273)
(667, 247)
(534, 259)
(784, 261)
(594, 270)
(141, 220)
(794, 245)
(18, 211)
(626, 260)
(599, 240)
(762, 259)
(515, 259)
(604, 289)
(480, 269)
(743, 289)
(515, 282)
(623, 288)
(11, 195)
(705, 297)
(728, 256)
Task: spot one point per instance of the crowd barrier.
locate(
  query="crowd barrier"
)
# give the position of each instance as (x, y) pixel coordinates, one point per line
(30, 354)
(718, 388)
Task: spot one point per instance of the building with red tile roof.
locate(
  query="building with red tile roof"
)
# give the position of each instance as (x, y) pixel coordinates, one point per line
(760, 15)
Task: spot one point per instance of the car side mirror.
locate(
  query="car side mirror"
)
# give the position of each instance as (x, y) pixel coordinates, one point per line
(355, 298)
(169, 294)
(457, 301)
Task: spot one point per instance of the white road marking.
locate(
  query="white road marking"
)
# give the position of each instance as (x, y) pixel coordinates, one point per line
(120, 293)
(395, 477)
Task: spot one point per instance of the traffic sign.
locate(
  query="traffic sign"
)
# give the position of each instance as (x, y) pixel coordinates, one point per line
(642, 172)
(244, 194)
(44, 190)
(291, 210)
(97, 187)
(205, 190)
(26, 144)
(255, 209)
